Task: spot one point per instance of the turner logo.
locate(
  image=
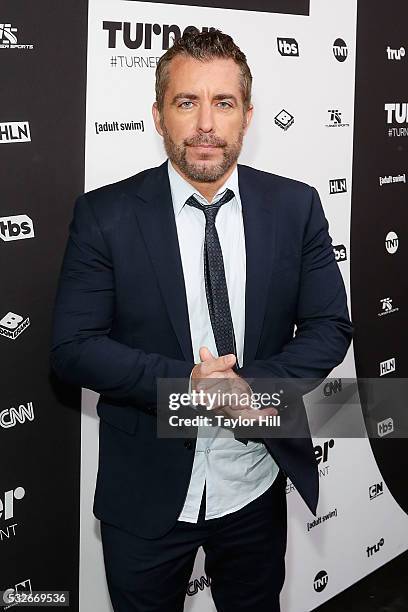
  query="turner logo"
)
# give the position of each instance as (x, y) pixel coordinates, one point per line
(7, 502)
(320, 581)
(391, 243)
(375, 490)
(284, 120)
(18, 227)
(322, 452)
(340, 252)
(12, 325)
(385, 427)
(340, 50)
(288, 47)
(336, 119)
(371, 550)
(338, 186)
(396, 112)
(137, 35)
(395, 54)
(8, 38)
(15, 131)
(10, 416)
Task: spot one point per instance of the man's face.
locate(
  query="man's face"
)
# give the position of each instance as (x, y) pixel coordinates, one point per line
(203, 119)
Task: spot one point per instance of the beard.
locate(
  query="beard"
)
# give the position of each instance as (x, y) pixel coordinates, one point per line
(202, 171)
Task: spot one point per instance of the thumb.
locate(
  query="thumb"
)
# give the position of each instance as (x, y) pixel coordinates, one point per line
(205, 354)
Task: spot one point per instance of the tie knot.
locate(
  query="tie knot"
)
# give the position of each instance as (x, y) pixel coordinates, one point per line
(210, 210)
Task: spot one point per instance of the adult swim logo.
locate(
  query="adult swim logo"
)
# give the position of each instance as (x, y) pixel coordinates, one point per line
(391, 243)
(319, 520)
(9, 417)
(387, 307)
(337, 186)
(18, 227)
(396, 113)
(320, 581)
(115, 126)
(387, 180)
(15, 131)
(340, 50)
(12, 325)
(288, 47)
(335, 119)
(8, 38)
(136, 35)
(395, 54)
(284, 119)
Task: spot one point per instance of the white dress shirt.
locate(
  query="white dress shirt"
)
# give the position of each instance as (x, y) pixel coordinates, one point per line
(234, 473)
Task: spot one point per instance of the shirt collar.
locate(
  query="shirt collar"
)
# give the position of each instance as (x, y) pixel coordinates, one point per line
(181, 189)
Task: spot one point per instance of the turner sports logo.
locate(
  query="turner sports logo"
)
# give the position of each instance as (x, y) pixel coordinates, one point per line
(137, 35)
(15, 131)
(8, 38)
(17, 227)
(12, 325)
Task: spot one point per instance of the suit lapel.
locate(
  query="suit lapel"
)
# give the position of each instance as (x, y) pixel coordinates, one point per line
(156, 220)
(259, 218)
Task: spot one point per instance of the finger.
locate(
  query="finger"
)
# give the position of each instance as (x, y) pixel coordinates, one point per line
(219, 364)
(205, 353)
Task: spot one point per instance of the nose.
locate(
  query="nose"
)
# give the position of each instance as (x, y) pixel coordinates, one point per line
(205, 119)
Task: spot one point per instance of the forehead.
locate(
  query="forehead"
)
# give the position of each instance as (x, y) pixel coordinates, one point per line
(195, 76)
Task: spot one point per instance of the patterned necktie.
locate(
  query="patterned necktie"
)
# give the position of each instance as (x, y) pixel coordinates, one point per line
(214, 276)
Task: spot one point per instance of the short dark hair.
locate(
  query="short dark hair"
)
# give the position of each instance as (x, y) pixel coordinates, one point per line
(203, 46)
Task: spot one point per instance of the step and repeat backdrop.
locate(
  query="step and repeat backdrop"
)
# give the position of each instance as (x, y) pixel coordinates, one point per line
(331, 110)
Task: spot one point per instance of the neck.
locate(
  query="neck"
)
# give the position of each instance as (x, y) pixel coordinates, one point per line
(207, 190)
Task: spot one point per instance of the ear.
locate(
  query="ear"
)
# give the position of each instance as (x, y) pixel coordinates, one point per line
(248, 117)
(157, 119)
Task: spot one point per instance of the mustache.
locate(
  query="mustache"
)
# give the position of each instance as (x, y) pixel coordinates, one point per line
(199, 140)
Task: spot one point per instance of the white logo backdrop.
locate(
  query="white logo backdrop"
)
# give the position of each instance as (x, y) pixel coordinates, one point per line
(317, 91)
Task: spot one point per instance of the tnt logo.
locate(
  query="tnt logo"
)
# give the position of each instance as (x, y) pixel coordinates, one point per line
(284, 120)
(12, 325)
(332, 387)
(288, 47)
(376, 490)
(7, 503)
(340, 252)
(320, 581)
(385, 427)
(18, 227)
(340, 50)
(391, 243)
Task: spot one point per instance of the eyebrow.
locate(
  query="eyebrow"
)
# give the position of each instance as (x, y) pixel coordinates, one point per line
(190, 96)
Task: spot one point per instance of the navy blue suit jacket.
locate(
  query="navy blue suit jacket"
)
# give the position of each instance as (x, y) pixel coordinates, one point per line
(121, 321)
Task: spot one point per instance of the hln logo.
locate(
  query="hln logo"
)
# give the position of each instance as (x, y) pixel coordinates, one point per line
(385, 427)
(288, 47)
(12, 325)
(387, 366)
(17, 227)
(376, 490)
(15, 131)
(338, 186)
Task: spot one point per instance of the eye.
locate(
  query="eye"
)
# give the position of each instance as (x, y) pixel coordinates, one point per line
(186, 104)
(224, 104)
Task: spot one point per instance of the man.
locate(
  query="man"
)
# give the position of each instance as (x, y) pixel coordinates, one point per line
(198, 269)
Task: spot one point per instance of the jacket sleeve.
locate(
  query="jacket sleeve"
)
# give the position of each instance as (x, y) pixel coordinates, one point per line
(82, 353)
(323, 327)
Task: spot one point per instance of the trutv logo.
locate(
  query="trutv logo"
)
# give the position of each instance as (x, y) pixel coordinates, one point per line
(18, 227)
(136, 35)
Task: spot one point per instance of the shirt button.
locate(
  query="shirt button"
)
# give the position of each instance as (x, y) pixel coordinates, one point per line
(188, 444)
(208, 451)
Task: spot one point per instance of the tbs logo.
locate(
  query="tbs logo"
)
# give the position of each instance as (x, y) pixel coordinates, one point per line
(18, 227)
(12, 325)
(340, 252)
(288, 47)
(385, 427)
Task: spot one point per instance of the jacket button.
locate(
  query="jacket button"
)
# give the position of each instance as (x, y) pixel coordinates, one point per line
(188, 444)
